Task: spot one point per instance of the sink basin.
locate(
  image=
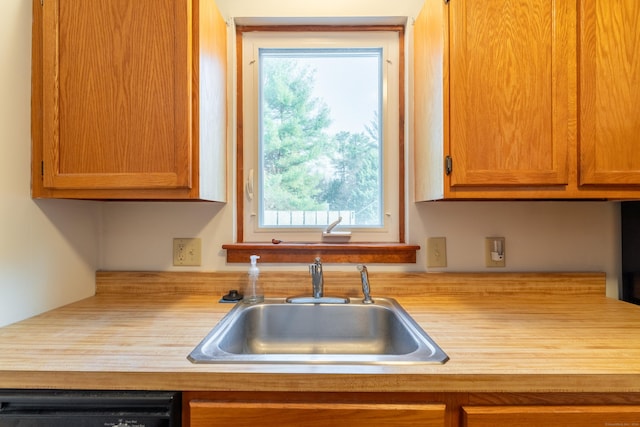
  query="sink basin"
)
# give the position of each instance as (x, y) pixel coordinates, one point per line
(279, 332)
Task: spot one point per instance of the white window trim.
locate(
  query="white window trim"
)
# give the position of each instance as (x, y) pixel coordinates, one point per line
(390, 42)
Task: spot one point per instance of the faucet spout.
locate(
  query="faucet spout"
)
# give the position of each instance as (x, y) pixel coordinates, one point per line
(317, 279)
(366, 288)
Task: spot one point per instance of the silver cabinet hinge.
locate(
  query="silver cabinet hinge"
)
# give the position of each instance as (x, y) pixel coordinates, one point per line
(448, 165)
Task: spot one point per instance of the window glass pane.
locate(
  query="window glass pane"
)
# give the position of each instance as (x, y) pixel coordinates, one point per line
(320, 137)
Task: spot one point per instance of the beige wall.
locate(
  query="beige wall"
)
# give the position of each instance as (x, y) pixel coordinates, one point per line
(48, 249)
(322, 8)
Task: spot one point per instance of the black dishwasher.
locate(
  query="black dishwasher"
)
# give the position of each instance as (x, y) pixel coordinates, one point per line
(75, 408)
(630, 213)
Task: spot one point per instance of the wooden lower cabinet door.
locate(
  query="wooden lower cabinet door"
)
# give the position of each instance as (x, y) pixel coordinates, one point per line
(551, 416)
(251, 414)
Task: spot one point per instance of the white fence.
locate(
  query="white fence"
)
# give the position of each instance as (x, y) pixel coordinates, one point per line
(306, 218)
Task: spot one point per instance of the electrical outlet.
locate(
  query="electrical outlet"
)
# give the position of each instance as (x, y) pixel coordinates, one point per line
(494, 252)
(187, 251)
(437, 252)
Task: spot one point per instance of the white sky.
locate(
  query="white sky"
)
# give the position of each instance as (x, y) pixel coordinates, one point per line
(350, 88)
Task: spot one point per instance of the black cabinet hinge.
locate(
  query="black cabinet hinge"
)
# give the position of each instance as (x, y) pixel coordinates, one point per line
(448, 165)
(42, 169)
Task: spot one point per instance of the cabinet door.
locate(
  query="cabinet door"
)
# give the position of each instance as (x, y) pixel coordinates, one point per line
(609, 49)
(116, 94)
(509, 104)
(551, 416)
(207, 414)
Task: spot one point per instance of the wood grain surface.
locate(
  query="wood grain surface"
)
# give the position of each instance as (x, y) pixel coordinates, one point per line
(502, 332)
(243, 414)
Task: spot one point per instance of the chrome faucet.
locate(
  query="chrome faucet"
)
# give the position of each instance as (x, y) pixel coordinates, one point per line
(366, 289)
(317, 279)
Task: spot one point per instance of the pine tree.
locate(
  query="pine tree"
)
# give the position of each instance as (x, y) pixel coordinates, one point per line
(294, 136)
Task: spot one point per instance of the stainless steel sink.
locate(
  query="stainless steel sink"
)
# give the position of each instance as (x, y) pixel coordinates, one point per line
(355, 333)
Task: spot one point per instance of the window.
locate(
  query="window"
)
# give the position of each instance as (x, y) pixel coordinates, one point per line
(321, 135)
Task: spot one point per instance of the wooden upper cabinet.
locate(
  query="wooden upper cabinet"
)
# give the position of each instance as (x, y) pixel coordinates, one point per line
(508, 71)
(529, 99)
(129, 100)
(609, 92)
(492, 98)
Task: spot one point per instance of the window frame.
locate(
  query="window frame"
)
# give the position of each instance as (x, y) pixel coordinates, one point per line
(253, 43)
(383, 252)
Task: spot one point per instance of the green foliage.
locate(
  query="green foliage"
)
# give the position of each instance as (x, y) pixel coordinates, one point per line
(305, 168)
(293, 136)
(354, 186)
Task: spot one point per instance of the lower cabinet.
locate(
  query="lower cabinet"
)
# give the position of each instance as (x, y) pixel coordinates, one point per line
(236, 414)
(428, 409)
(551, 416)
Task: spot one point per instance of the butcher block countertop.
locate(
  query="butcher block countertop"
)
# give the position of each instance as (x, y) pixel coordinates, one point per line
(510, 332)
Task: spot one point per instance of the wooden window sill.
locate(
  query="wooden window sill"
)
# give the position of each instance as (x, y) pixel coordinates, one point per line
(394, 253)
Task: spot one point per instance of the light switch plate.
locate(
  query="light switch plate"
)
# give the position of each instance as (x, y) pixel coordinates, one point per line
(436, 252)
(187, 251)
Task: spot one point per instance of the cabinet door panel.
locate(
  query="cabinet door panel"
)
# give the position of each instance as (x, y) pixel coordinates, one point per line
(206, 414)
(609, 92)
(509, 92)
(551, 416)
(116, 94)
